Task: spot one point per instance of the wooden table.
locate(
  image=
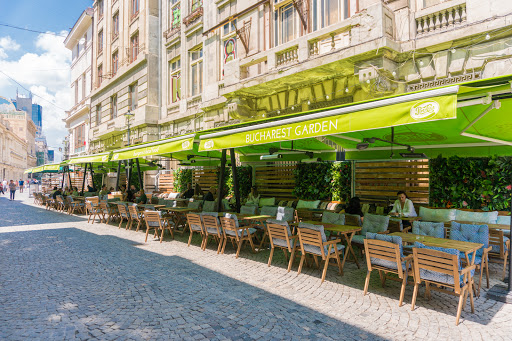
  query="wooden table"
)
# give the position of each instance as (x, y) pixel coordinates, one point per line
(466, 247)
(405, 218)
(178, 216)
(347, 231)
(259, 219)
(491, 226)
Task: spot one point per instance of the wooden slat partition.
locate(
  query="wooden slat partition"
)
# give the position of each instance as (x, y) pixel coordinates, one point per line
(205, 177)
(378, 182)
(276, 181)
(166, 182)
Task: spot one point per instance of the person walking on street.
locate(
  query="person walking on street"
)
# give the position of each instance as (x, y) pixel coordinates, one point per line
(12, 188)
(21, 183)
(2, 188)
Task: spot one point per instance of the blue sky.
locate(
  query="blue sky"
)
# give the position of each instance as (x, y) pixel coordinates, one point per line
(40, 62)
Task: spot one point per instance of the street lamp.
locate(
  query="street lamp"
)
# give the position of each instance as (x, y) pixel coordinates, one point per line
(128, 115)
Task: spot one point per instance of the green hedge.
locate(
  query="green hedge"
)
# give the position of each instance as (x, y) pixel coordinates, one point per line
(323, 181)
(182, 177)
(474, 183)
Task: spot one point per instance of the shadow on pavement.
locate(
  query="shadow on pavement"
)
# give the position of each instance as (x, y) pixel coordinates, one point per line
(16, 213)
(67, 282)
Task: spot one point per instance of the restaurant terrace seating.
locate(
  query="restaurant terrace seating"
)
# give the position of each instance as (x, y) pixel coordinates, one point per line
(196, 205)
(209, 206)
(442, 268)
(74, 205)
(428, 228)
(281, 237)
(285, 213)
(123, 214)
(93, 211)
(352, 219)
(195, 225)
(135, 215)
(385, 254)
(475, 234)
(313, 241)
(500, 247)
(248, 209)
(333, 218)
(269, 210)
(155, 221)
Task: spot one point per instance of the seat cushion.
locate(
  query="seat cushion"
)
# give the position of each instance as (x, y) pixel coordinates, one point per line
(194, 205)
(497, 249)
(478, 217)
(269, 210)
(428, 228)
(358, 239)
(285, 213)
(471, 233)
(308, 204)
(248, 210)
(333, 218)
(316, 250)
(437, 215)
(195, 227)
(267, 202)
(374, 223)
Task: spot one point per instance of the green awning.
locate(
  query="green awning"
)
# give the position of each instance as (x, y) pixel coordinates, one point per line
(161, 147)
(95, 158)
(28, 171)
(51, 168)
(427, 106)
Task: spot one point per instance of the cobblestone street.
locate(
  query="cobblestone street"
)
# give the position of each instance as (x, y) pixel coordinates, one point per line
(63, 279)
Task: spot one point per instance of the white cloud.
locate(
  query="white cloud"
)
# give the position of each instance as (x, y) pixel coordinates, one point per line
(46, 72)
(7, 44)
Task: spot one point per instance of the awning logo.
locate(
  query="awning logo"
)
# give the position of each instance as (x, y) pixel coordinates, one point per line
(116, 156)
(185, 144)
(208, 144)
(425, 109)
(104, 158)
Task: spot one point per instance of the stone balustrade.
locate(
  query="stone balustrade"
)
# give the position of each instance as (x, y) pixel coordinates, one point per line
(441, 19)
(288, 56)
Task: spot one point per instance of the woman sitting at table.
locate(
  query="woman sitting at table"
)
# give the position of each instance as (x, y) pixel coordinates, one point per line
(209, 196)
(104, 191)
(142, 199)
(354, 207)
(253, 198)
(198, 191)
(75, 192)
(130, 194)
(403, 207)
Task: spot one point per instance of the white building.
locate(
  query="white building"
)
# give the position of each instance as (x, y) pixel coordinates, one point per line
(80, 42)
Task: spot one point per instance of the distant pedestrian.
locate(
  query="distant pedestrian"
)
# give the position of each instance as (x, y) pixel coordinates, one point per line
(2, 188)
(21, 183)
(12, 188)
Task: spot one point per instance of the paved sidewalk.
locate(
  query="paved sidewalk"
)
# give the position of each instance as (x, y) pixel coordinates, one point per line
(61, 278)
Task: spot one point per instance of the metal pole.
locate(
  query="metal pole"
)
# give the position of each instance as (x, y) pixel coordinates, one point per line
(220, 195)
(126, 173)
(118, 175)
(69, 179)
(83, 180)
(130, 172)
(63, 177)
(92, 176)
(236, 186)
(139, 174)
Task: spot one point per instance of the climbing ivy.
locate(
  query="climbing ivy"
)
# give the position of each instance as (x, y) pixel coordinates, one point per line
(182, 177)
(474, 183)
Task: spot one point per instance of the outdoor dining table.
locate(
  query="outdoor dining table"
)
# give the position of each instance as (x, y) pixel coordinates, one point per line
(259, 219)
(347, 231)
(405, 218)
(178, 216)
(467, 248)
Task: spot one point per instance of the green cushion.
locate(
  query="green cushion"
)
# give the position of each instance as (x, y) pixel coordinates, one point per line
(308, 204)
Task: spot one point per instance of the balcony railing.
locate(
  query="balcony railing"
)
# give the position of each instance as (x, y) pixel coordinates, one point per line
(174, 29)
(114, 35)
(442, 19)
(287, 56)
(195, 12)
(132, 54)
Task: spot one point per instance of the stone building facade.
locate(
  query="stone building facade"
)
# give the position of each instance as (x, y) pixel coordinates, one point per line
(80, 42)
(203, 64)
(125, 73)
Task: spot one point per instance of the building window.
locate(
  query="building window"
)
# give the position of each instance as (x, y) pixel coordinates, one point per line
(228, 52)
(76, 91)
(115, 25)
(100, 9)
(196, 4)
(134, 47)
(428, 3)
(328, 12)
(115, 62)
(113, 107)
(100, 41)
(175, 80)
(174, 14)
(79, 133)
(135, 7)
(132, 97)
(286, 24)
(84, 85)
(98, 114)
(85, 39)
(196, 74)
(100, 74)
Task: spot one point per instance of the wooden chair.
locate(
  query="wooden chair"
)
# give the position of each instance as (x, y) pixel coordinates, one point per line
(103, 206)
(238, 234)
(441, 267)
(396, 225)
(500, 246)
(212, 229)
(195, 225)
(281, 237)
(352, 219)
(60, 204)
(135, 215)
(93, 211)
(123, 214)
(385, 254)
(313, 241)
(74, 205)
(155, 221)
